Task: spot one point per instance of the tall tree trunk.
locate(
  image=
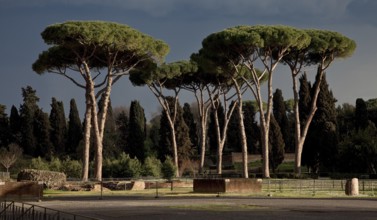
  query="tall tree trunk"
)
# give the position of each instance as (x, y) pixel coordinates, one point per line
(175, 149)
(265, 153)
(245, 170)
(243, 142)
(203, 114)
(220, 144)
(301, 132)
(101, 128)
(203, 138)
(87, 132)
(94, 121)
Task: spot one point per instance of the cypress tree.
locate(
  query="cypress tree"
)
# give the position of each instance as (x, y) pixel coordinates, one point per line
(188, 117)
(44, 147)
(233, 139)
(304, 97)
(326, 127)
(58, 127)
(309, 158)
(164, 145)
(182, 132)
(110, 147)
(321, 144)
(27, 114)
(154, 134)
(212, 134)
(4, 127)
(122, 130)
(276, 145)
(361, 114)
(15, 126)
(280, 114)
(137, 135)
(251, 128)
(75, 131)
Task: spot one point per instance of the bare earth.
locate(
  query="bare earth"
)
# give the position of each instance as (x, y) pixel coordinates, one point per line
(213, 208)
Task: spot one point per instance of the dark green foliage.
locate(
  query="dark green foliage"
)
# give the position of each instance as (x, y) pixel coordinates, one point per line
(251, 128)
(188, 117)
(71, 168)
(137, 133)
(75, 131)
(82, 38)
(322, 152)
(122, 130)
(358, 152)
(110, 148)
(182, 134)
(152, 167)
(361, 114)
(345, 120)
(276, 145)
(4, 127)
(165, 146)
(212, 134)
(304, 98)
(122, 167)
(233, 140)
(154, 135)
(326, 121)
(280, 114)
(27, 113)
(168, 168)
(15, 126)
(58, 127)
(44, 147)
(39, 163)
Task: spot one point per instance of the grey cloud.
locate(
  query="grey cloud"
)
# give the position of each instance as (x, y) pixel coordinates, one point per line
(229, 7)
(363, 11)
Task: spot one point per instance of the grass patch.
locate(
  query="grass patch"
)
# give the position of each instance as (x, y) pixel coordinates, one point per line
(218, 207)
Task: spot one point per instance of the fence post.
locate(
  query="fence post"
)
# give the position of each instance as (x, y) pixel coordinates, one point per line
(101, 189)
(156, 190)
(313, 187)
(300, 185)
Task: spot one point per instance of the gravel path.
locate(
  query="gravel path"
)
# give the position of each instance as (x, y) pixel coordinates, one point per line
(182, 208)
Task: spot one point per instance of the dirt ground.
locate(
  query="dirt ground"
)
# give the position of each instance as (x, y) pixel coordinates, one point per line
(216, 208)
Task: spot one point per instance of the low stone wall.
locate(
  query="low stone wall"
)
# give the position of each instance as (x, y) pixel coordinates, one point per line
(21, 190)
(49, 178)
(239, 185)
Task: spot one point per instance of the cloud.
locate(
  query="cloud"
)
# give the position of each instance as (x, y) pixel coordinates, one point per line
(286, 8)
(363, 11)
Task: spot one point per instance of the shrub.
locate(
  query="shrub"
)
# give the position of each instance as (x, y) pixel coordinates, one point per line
(152, 167)
(168, 168)
(55, 165)
(72, 168)
(39, 164)
(122, 167)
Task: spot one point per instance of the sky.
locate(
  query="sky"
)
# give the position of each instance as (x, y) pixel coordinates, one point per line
(182, 24)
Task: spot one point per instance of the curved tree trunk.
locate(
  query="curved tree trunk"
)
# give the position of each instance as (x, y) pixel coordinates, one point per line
(245, 169)
(302, 131)
(203, 138)
(101, 128)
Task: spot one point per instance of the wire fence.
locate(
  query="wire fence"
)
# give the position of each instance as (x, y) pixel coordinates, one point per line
(316, 186)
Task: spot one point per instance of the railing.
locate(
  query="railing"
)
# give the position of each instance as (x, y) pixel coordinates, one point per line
(11, 210)
(315, 186)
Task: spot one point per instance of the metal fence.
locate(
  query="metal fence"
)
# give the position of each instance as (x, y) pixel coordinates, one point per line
(17, 210)
(316, 186)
